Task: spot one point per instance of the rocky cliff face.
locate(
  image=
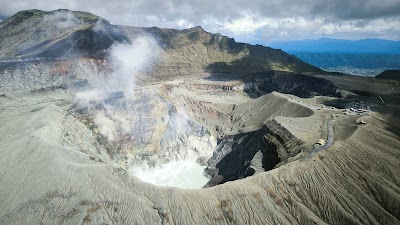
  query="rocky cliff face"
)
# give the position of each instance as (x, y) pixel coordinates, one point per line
(193, 49)
(251, 153)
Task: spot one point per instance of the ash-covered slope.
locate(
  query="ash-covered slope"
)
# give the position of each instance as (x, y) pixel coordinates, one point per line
(53, 171)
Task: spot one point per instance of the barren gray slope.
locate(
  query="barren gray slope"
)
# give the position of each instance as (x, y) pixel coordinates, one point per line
(45, 179)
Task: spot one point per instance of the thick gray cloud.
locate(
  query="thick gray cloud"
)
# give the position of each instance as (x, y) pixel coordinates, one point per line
(245, 20)
(357, 9)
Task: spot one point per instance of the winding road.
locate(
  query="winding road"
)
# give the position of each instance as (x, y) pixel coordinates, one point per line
(329, 142)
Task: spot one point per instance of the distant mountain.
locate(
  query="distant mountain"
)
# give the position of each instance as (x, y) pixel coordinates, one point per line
(327, 45)
(367, 57)
(66, 34)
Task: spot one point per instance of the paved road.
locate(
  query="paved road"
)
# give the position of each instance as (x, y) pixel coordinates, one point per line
(329, 142)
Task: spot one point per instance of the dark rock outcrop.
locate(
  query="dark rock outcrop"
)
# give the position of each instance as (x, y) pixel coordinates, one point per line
(234, 156)
(296, 84)
(389, 74)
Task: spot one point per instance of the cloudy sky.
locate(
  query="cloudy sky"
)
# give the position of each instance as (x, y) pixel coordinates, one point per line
(256, 21)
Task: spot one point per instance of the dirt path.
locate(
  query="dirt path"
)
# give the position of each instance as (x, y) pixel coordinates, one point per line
(329, 142)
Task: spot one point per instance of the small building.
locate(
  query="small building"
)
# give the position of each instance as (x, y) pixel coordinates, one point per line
(320, 142)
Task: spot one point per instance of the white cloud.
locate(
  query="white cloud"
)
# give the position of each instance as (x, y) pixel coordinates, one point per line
(246, 24)
(243, 19)
(184, 23)
(296, 28)
(179, 23)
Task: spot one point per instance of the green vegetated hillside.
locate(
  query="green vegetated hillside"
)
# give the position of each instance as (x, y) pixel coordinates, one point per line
(64, 33)
(218, 53)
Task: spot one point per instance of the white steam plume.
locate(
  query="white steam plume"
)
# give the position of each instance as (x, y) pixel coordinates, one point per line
(87, 98)
(128, 61)
(105, 125)
(62, 19)
(99, 26)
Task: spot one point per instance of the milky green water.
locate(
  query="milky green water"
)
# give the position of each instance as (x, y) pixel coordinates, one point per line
(181, 174)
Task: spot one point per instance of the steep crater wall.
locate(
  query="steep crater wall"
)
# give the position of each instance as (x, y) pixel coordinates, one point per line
(302, 86)
(159, 130)
(245, 154)
(149, 128)
(261, 83)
